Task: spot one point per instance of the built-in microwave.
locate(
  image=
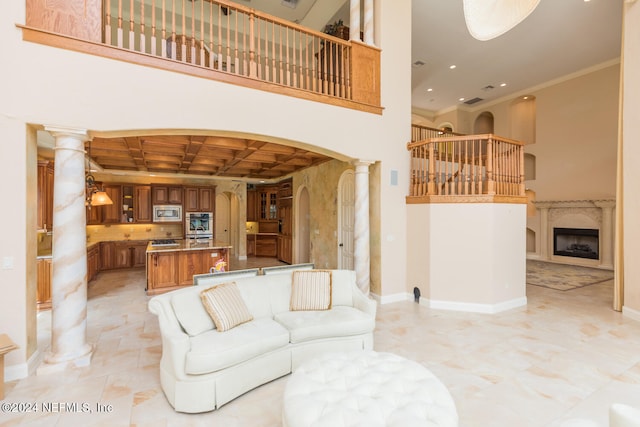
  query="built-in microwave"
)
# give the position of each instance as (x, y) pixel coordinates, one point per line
(167, 213)
(198, 225)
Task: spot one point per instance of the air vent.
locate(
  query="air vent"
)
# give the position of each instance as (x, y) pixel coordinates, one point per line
(488, 87)
(290, 3)
(418, 63)
(473, 100)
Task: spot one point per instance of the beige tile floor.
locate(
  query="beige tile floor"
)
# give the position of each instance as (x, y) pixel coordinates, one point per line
(565, 355)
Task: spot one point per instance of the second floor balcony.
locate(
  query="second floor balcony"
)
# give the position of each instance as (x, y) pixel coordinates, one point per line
(218, 40)
(452, 168)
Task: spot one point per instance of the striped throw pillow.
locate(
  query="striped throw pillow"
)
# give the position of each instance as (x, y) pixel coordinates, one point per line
(225, 306)
(311, 290)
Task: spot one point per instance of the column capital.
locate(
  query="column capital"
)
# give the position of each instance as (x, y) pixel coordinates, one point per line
(358, 163)
(56, 132)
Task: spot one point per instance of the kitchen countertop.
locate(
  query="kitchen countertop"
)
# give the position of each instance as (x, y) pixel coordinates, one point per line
(189, 245)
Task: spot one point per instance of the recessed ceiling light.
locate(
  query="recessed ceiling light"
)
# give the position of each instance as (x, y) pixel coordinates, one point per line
(452, 67)
(429, 90)
(460, 99)
(525, 97)
(503, 84)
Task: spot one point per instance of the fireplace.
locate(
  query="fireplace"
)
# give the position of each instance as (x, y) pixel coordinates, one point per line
(576, 242)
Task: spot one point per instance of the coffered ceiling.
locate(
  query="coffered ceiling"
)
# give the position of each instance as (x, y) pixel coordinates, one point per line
(201, 155)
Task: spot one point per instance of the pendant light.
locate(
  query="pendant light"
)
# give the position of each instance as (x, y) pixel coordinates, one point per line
(95, 196)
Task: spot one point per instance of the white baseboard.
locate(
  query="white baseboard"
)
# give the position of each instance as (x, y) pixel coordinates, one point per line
(478, 308)
(388, 299)
(23, 370)
(631, 313)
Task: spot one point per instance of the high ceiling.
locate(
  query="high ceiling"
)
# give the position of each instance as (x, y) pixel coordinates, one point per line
(559, 38)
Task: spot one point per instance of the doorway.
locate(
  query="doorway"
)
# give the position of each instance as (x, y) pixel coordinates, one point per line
(223, 220)
(303, 227)
(346, 219)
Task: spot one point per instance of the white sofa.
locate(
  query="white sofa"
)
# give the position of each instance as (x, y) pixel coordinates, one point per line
(202, 369)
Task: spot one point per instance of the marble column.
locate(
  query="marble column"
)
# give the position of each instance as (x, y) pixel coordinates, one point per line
(354, 20)
(607, 232)
(69, 345)
(368, 22)
(361, 226)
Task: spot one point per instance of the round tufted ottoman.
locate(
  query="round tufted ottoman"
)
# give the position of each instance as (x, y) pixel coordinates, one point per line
(366, 389)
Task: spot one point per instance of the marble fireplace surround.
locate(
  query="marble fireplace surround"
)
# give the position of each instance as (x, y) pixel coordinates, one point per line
(590, 214)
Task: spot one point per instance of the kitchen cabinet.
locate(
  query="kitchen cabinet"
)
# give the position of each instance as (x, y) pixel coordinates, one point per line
(128, 203)
(139, 254)
(43, 290)
(199, 199)
(169, 269)
(162, 271)
(45, 194)
(190, 263)
(93, 262)
(251, 244)
(267, 244)
(142, 211)
(123, 254)
(252, 205)
(112, 214)
(267, 203)
(107, 255)
(166, 195)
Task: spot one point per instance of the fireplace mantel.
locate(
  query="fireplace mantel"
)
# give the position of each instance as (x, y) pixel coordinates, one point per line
(586, 214)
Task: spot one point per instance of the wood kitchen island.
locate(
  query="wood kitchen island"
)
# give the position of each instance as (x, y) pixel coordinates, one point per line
(172, 265)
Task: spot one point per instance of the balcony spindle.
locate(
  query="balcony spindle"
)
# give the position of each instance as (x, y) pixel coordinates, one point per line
(253, 66)
(107, 23)
(153, 28)
(132, 33)
(120, 34)
(212, 54)
(143, 42)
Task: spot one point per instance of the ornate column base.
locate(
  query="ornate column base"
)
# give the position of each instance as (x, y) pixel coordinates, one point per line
(57, 363)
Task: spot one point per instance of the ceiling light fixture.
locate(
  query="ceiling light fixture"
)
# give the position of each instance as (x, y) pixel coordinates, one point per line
(460, 99)
(429, 90)
(95, 196)
(503, 84)
(488, 19)
(451, 67)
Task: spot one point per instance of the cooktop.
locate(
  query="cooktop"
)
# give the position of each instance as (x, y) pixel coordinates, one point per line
(164, 242)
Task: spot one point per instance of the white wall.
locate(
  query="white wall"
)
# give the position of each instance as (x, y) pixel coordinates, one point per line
(47, 86)
(469, 257)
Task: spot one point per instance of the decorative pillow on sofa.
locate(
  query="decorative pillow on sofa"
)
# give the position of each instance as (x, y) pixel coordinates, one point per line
(191, 313)
(225, 306)
(310, 290)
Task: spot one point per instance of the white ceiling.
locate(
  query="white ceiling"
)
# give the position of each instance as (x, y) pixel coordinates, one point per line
(559, 38)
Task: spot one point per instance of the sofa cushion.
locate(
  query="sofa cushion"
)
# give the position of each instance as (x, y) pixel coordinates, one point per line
(212, 351)
(311, 290)
(225, 306)
(338, 322)
(191, 313)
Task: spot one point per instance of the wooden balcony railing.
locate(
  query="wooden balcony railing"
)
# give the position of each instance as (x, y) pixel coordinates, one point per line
(466, 168)
(225, 40)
